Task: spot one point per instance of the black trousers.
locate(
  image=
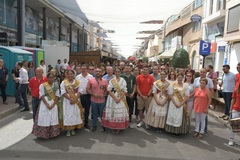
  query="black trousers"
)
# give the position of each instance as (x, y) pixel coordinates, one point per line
(130, 102)
(3, 91)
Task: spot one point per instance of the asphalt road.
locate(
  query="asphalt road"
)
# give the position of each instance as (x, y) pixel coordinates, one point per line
(17, 143)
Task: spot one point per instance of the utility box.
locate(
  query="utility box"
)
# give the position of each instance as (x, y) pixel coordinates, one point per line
(11, 56)
(38, 54)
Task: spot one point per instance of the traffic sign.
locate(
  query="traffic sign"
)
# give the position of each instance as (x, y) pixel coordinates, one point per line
(204, 48)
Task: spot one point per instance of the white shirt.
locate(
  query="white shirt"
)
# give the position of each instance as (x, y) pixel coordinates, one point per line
(209, 84)
(64, 66)
(23, 76)
(44, 70)
(84, 81)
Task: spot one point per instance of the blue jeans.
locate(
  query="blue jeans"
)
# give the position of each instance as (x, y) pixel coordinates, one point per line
(95, 108)
(35, 105)
(22, 92)
(86, 102)
(227, 96)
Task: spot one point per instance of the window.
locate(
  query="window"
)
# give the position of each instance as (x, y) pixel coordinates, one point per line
(211, 7)
(197, 3)
(233, 19)
(221, 4)
(196, 26)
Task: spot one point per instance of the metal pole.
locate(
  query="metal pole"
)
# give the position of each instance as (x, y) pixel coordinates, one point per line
(60, 29)
(21, 22)
(44, 23)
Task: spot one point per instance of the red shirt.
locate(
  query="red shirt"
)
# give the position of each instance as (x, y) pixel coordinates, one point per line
(99, 88)
(237, 80)
(236, 105)
(145, 83)
(34, 84)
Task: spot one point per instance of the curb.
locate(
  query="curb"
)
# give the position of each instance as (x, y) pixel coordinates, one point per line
(223, 122)
(8, 112)
(12, 110)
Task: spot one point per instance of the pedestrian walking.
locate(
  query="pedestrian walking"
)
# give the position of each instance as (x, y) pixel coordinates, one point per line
(3, 81)
(22, 89)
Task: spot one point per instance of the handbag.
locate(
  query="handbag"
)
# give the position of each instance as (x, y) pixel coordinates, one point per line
(220, 95)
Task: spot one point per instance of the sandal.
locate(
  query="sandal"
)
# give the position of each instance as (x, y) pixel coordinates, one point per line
(195, 134)
(200, 136)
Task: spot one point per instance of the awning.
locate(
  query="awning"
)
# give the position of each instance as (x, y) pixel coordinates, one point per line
(167, 54)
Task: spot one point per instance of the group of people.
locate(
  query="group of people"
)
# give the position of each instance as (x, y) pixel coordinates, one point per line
(162, 97)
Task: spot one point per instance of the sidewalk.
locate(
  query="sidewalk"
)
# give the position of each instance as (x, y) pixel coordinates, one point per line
(12, 107)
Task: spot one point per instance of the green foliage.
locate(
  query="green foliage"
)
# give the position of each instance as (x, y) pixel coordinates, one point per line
(180, 58)
(144, 59)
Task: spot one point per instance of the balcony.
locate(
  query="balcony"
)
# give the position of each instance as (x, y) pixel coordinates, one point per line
(215, 16)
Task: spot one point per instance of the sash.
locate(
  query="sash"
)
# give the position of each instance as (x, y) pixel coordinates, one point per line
(161, 86)
(119, 92)
(179, 97)
(49, 90)
(69, 89)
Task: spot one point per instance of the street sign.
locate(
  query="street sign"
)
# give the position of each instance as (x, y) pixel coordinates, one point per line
(204, 48)
(221, 48)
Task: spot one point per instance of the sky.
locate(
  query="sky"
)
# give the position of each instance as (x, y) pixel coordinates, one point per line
(124, 17)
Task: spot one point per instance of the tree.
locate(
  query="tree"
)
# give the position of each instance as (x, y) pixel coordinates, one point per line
(180, 58)
(145, 59)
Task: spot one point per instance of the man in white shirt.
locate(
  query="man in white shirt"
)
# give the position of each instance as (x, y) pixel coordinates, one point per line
(85, 97)
(22, 89)
(65, 64)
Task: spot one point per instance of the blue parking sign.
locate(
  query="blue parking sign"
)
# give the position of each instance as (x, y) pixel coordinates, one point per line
(204, 48)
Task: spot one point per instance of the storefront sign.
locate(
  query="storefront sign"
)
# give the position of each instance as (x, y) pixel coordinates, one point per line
(3, 37)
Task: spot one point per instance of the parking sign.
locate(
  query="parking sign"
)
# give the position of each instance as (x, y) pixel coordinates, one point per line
(204, 48)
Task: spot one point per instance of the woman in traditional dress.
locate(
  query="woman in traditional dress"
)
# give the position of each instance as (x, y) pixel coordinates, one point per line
(116, 112)
(178, 115)
(158, 108)
(189, 81)
(172, 77)
(46, 120)
(60, 103)
(72, 108)
(202, 99)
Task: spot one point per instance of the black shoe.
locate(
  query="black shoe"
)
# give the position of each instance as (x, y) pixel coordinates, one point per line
(87, 126)
(103, 129)
(20, 107)
(94, 129)
(24, 110)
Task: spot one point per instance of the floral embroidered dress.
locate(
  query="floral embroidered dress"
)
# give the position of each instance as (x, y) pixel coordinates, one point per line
(115, 115)
(46, 121)
(156, 114)
(71, 113)
(177, 121)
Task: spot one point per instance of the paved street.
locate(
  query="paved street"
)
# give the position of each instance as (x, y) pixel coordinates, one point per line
(18, 143)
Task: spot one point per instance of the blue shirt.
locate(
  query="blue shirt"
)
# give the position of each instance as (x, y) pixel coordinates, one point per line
(229, 81)
(108, 78)
(209, 84)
